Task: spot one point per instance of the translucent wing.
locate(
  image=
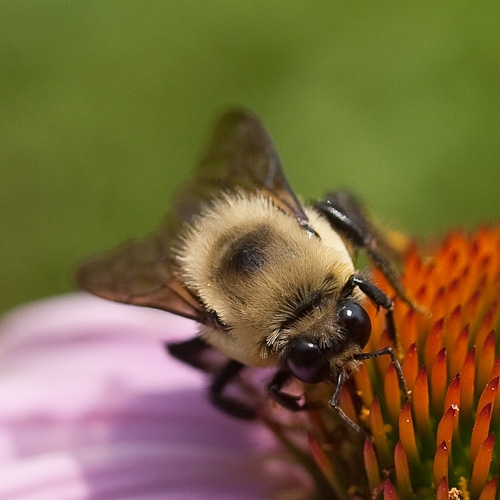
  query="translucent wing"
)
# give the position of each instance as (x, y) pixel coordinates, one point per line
(140, 272)
(240, 155)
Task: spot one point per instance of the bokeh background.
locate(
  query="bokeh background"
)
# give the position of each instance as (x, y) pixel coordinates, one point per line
(105, 106)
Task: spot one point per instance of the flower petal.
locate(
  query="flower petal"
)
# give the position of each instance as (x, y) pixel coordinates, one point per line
(93, 407)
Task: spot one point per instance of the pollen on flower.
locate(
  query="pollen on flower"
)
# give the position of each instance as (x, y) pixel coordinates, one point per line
(441, 443)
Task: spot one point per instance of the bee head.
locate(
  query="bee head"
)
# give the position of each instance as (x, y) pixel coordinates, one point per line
(311, 362)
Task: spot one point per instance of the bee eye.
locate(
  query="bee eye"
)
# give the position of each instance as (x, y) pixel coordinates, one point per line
(356, 321)
(308, 362)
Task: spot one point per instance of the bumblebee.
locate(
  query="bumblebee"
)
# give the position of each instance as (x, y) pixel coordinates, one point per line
(270, 280)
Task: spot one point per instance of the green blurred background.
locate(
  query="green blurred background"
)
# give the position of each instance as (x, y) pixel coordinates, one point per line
(105, 106)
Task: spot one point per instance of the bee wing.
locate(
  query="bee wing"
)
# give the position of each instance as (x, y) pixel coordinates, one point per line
(140, 272)
(240, 155)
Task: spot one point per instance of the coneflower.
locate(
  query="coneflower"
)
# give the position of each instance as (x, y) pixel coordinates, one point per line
(91, 406)
(441, 443)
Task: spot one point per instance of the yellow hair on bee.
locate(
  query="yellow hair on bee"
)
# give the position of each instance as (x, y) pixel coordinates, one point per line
(270, 281)
(253, 264)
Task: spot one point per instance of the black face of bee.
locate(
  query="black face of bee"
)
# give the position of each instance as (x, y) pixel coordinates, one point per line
(310, 363)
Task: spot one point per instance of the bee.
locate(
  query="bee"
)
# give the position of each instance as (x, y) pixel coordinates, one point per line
(270, 280)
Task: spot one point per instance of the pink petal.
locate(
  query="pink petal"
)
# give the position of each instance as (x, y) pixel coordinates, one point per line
(92, 407)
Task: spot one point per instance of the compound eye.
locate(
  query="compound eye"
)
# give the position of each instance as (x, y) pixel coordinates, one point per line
(308, 363)
(357, 322)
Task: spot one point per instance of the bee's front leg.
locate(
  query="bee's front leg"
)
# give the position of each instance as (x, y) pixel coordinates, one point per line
(275, 386)
(193, 352)
(226, 403)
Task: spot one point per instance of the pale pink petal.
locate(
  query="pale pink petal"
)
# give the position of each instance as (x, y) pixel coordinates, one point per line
(92, 407)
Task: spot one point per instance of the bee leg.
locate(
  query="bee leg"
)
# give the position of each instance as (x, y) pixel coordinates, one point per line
(228, 404)
(345, 215)
(395, 362)
(190, 352)
(380, 299)
(275, 387)
(377, 296)
(334, 403)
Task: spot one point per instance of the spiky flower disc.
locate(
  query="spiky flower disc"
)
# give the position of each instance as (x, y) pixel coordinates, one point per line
(442, 442)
